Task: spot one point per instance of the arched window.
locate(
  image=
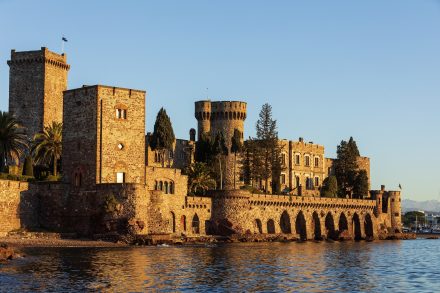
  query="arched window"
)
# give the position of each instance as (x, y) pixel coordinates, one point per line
(172, 187)
(166, 187)
(160, 185)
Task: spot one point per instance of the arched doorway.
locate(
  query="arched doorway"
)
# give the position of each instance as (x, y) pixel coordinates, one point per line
(300, 226)
(368, 227)
(285, 223)
(270, 227)
(183, 222)
(195, 224)
(330, 226)
(357, 228)
(343, 224)
(259, 226)
(316, 226)
(173, 222)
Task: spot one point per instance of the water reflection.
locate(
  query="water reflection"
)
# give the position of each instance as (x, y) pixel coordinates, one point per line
(307, 267)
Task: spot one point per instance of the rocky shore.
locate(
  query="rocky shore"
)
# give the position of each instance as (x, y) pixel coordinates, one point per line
(8, 253)
(28, 239)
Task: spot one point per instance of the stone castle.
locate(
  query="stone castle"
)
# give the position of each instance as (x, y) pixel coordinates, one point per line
(114, 183)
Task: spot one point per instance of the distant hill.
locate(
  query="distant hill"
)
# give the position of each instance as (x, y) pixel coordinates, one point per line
(427, 205)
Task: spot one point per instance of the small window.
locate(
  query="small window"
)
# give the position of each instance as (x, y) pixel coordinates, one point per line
(297, 159)
(283, 178)
(307, 161)
(316, 162)
(120, 177)
(121, 113)
(316, 181)
(283, 159)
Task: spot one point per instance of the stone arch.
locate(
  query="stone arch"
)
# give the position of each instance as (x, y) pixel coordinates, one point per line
(368, 227)
(357, 234)
(173, 222)
(270, 227)
(316, 224)
(300, 226)
(195, 224)
(330, 226)
(343, 223)
(259, 226)
(285, 225)
(183, 222)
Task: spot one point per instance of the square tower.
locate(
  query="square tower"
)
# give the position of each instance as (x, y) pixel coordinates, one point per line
(103, 136)
(37, 80)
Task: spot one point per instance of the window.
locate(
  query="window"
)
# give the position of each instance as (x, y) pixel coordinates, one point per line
(171, 154)
(283, 159)
(309, 183)
(307, 161)
(316, 162)
(283, 178)
(297, 159)
(316, 181)
(121, 113)
(78, 179)
(120, 177)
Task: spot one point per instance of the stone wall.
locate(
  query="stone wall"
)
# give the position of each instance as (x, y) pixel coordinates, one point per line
(17, 206)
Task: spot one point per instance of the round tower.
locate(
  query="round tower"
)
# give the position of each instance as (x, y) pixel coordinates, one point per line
(203, 116)
(395, 211)
(226, 116)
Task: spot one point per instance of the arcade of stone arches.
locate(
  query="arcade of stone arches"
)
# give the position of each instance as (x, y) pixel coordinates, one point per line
(319, 225)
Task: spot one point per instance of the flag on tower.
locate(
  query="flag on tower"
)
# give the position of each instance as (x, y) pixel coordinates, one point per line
(400, 186)
(64, 39)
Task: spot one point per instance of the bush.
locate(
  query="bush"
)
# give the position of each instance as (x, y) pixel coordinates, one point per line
(13, 177)
(251, 189)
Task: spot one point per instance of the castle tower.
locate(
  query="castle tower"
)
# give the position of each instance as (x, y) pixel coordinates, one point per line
(224, 117)
(37, 80)
(103, 136)
(395, 211)
(203, 116)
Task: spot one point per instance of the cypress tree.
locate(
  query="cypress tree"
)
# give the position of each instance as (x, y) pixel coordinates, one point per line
(346, 167)
(329, 187)
(360, 188)
(163, 137)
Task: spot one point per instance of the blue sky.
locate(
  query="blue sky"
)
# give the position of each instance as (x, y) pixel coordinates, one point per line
(330, 69)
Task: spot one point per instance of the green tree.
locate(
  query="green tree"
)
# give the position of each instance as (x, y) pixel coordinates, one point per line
(330, 187)
(13, 141)
(250, 161)
(219, 151)
(410, 218)
(199, 178)
(48, 145)
(346, 167)
(203, 152)
(360, 188)
(236, 148)
(163, 137)
(267, 137)
(28, 168)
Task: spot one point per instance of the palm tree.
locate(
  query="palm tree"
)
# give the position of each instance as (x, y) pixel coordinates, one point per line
(236, 147)
(13, 141)
(47, 145)
(199, 178)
